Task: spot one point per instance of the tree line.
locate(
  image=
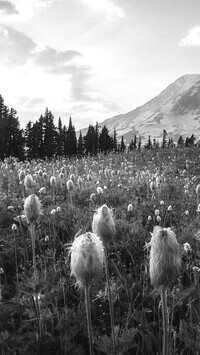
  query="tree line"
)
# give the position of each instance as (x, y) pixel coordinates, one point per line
(44, 139)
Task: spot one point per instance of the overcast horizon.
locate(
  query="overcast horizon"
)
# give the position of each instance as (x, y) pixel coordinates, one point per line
(93, 59)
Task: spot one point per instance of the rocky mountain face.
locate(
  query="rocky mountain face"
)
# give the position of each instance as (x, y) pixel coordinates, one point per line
(176, 109)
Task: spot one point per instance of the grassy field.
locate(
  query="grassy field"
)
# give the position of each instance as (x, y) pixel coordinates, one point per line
(41, 309)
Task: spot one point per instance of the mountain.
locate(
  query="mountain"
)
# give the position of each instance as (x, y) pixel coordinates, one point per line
(176, 109)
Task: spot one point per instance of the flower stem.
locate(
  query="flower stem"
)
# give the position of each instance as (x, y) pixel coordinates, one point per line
(88, 313)
(110, 302)
(165, 321)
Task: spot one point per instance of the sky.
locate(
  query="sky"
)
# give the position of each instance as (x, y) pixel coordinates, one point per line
(93, 59)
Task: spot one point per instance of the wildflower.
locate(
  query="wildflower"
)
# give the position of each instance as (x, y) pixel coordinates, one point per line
(52, 181)
(89, 177)
(161, 202)
(1, 271)
(87, 257)
(152, 186)
(53, 212)
(99, 190)
(158, 218)
(72, 177)
(196, 269)
(79, 181)
(198, 208)
(169, 208)
(105, 188)
(187, 247)
(32, 208)
(164, 257)
(29, 182)
(22, 175)
(58, 209)
(40, 173)
(92, 197)
(187, 213)
(130, 207)
(198, 191)
(157, 212)
(42, 190)
(103, 224)
(46, 239)
(149, 218)
(14, 227)
(10, 208)
(70, 185)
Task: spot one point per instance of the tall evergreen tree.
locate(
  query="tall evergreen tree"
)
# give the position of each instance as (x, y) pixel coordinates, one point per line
(71, 139)
(80, 147)
(104, 140)
(122, 145)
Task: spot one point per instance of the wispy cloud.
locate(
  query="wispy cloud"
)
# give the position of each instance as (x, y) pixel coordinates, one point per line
(107, 6)
(15, 47)
(192, 39)
(7, 8)
(56, 62)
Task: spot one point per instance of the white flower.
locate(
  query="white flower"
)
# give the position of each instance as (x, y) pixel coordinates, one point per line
(99, 190)
(53, 211)
(187, 247)
(169, 208)
(130, 207)
(14, 227)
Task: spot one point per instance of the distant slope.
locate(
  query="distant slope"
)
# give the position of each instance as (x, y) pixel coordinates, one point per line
(176, 109)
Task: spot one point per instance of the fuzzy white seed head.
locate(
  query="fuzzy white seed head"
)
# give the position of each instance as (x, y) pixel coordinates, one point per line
(99, 190)
(103, 224)
(87, 258)
(70, 185)
(130, 207)
(164, 257)
(32, 209)
(22, 175)
(29, 182)
(198, 191)
(187, 247)
(53, 212)
(14, 227)
(52, 181)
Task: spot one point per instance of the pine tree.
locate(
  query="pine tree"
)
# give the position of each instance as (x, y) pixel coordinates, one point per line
(89, 140)
(71, 139)
(104, 140)
(122, 145)
(59, 139)
(180, 142)
(80, 147)
(164, 141)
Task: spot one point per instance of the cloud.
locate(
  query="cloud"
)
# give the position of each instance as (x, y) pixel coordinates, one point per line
(192, 39)
(55, 62)
(113, 11)
(7, 8)
(15, 47)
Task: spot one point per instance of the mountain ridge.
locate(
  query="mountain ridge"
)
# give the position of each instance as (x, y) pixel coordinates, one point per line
(176, 109)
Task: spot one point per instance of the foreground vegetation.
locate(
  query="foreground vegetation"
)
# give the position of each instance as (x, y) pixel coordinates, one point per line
(42, 311)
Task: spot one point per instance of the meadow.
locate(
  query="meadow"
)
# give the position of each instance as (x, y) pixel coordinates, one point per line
(42, 311)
